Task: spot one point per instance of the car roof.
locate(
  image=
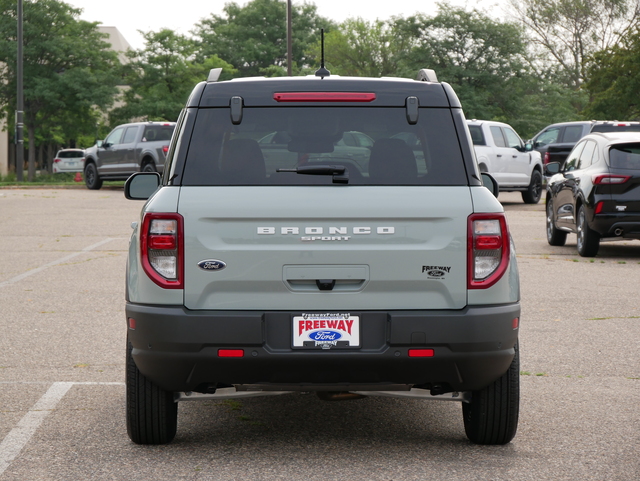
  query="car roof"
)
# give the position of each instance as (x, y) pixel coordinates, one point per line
(614, 137)
(492, 122)
(260, 91)
(70, 150)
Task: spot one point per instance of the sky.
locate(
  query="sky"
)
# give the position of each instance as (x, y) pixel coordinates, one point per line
(129, 16)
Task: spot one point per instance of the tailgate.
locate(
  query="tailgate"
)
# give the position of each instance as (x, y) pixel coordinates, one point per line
(325, 248)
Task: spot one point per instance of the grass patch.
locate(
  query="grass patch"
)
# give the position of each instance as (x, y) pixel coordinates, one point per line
(45, 178)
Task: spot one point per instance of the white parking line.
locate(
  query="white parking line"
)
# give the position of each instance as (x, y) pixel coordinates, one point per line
(19, 436)
(54, 263)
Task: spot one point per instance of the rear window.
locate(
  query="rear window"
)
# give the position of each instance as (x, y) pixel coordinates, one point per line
(476, 135)
(621, 127)
(376, 146)
(157, 132)
(625, 157)
(70, 154)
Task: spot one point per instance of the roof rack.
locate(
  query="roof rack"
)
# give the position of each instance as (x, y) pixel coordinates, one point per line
(427, 75)
(214, 74)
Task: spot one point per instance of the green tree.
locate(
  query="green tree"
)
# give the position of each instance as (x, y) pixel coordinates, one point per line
(614, 82)
(253, 38)
(483, 59)
(568, 32)
(364, 49)
(68, 70)
(161, 76)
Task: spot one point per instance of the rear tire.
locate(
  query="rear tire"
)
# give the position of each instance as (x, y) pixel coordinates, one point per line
(149, 167)
(555, 236)
(91, 177)
(492, 415)
(534, 192)
(152, 413)
(588, 241)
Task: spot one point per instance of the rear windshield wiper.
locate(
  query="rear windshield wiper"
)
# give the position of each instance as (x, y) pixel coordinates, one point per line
(339, 172)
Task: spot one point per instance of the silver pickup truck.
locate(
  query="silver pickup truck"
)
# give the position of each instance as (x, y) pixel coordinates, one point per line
(129, 148)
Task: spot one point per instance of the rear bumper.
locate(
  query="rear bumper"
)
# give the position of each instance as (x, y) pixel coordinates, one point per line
(617, 225)
(178, 349)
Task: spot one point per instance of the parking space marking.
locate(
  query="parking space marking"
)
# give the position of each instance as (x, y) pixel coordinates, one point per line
(54, 263)
(19, 436)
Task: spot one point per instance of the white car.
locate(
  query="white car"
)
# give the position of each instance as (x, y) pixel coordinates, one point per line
(68, 160)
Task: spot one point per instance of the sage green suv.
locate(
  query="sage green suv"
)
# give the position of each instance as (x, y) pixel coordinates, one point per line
(307, 267)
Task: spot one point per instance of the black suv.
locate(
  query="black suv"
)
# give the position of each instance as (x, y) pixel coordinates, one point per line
(596, 193)
(555, 141)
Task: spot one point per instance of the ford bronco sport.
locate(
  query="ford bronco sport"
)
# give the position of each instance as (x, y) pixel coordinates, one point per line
(276, 255)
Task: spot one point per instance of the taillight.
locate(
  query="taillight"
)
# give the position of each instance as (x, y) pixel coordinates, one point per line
(488, 249)
(162, 249)
(547, 158)
(608, 179)
(165, 149)
(324, 96)
(56, 160)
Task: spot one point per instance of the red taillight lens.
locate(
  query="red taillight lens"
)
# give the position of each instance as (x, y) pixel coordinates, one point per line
(162, 249)
(165, 149)
(324, 96)
(56, 160)
(608, 179)
(159, 242)
(547, 158)
(488, 249)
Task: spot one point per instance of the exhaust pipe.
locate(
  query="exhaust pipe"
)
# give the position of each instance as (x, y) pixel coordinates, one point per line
(618, 232)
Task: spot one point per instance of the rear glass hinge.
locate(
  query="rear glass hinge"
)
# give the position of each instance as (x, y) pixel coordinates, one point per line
(236, 105)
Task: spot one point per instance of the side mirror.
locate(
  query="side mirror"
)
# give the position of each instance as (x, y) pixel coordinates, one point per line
(490, 183)
(141, 185)
(552, 168)
(528, 147)
(99, 143)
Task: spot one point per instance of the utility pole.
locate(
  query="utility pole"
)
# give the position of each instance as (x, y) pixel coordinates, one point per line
(289, 40)
(19, 103)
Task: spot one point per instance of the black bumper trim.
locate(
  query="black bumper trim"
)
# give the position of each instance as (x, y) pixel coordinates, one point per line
(178, 349)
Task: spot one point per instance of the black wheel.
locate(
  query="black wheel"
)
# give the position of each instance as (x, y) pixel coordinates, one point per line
(588, 241)
(91, 177)
(492, 415)
(152, 413)
(534, 191)
(555, 237)
(149, 167)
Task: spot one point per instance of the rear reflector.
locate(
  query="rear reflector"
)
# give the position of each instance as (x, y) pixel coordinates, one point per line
(230, 352)
(599, 207)
(324, 96)
(132, 323)
(421, 353)
(515, 323)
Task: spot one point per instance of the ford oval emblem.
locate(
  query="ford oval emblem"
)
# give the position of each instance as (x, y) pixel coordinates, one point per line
(211, 265)
(325, 336)
(435, 273)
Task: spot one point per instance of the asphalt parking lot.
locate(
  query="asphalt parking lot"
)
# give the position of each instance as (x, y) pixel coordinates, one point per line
(62, 353)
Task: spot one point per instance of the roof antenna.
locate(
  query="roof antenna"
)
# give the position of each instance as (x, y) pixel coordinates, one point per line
(322, 72)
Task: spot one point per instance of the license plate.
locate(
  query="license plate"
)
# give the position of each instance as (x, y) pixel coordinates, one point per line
(326, 330)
